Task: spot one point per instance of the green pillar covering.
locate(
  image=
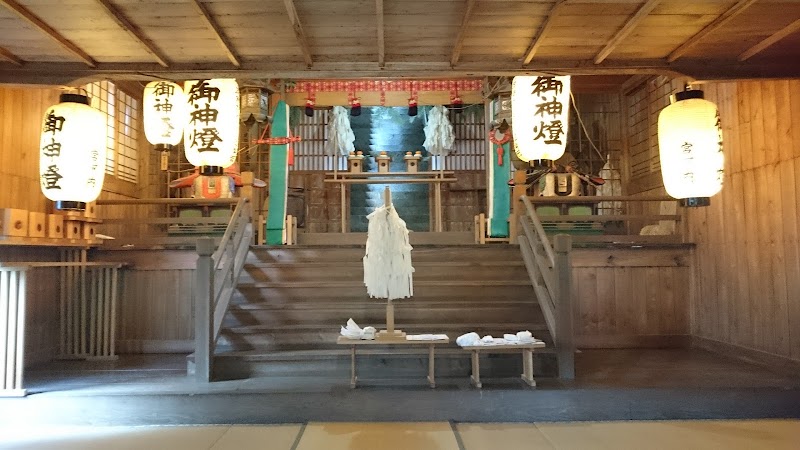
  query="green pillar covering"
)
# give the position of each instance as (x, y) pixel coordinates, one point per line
(278, 176)
(500, 192)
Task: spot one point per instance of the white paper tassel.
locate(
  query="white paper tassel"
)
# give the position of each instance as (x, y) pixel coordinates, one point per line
(340, 133)
(387, 263)
(439, 135)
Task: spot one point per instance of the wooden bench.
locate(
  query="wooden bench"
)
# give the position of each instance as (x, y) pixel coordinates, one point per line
(527, 359)
(353, 343)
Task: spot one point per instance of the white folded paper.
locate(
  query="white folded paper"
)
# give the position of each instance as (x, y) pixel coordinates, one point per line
(353, 331)
(425, 337)
(468, 339)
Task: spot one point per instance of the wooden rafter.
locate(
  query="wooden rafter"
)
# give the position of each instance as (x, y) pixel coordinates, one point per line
(134, 32)
(381, 35)
(626, 29)
(298, 31)
(38, 23)
(462, 32)
(218, 33)
(758, 48)
(537, 40)
(12, 58)
(732, 12)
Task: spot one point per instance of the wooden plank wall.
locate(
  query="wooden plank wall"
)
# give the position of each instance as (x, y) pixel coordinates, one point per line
(747, 283)
(21, 112)
(631, 298)
(156, 310)
(745, 297)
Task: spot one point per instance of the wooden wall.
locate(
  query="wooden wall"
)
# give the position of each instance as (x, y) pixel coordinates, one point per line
(747, 282)
(156, 302)
(631, 298)
(745, 297)
(21, 112)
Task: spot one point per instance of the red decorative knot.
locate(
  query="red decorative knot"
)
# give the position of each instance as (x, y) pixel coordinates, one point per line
(499, 142)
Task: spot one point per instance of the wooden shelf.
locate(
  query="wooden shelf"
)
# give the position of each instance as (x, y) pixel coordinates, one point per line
(48, 242)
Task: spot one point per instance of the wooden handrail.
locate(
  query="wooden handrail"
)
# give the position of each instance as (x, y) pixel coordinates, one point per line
(217, 274)
(605, 198)
(537, 225)
(550, 270)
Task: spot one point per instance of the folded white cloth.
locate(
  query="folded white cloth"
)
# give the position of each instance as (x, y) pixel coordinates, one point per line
(468, 339)
(425, 337)
(488, 339)
(525, 336)
(511, 338)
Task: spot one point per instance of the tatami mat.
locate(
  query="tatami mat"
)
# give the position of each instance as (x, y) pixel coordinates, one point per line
(678, 435)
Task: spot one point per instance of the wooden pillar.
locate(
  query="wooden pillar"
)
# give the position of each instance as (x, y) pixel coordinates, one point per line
(562, 246)
(517, 208)
(204, 310)
(248, 192)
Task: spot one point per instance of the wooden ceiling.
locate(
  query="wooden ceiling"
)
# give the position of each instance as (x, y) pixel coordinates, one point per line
(70, 41)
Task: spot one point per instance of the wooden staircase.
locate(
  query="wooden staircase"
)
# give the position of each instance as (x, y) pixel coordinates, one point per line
(285, 316)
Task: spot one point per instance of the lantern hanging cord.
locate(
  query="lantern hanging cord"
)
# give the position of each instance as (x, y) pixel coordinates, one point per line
(588, 137)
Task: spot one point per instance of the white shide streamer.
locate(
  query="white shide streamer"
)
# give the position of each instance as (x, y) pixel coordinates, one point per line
(439, 135)
(387, 263)
(340, 133)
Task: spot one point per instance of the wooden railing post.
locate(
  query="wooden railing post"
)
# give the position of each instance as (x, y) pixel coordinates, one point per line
(562, 246)
(204, 310)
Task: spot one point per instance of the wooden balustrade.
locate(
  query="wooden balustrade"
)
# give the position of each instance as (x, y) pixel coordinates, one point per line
(218, 270)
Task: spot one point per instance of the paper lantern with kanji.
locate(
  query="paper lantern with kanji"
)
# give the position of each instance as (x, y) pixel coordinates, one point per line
(164, 108)
(540, 116)
(211, 136)
(72, 152)
(690, 147)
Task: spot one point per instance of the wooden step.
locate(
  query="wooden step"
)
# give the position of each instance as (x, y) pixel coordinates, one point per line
(354, 271)
(295, 254)
(374, 312)
(349, 291)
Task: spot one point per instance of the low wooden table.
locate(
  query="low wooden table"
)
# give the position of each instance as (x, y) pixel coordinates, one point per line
(527, 359)
(353, 343)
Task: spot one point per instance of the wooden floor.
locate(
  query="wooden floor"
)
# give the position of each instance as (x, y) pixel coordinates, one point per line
(679, 435)
(611, 385)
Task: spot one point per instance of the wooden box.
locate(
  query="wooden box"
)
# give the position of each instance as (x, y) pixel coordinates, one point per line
(89, 231)
(91, 210)
(55, 226)
(73, 229)
(13, 222)
(36, 224)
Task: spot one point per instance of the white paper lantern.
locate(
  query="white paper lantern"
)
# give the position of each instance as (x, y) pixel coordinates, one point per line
(540, 116)
(72, 152)
(690, 147)
(164, 107)
(211, 137)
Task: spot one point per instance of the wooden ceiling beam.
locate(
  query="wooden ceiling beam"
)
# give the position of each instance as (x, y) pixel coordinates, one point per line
(731, 12)
(626, 29)
(298, 32)
(381, 33)
(537, 40)
(226, 44)
(10, 57)
(761, 46)
(134, 32)
(39, 24)
(462, 31)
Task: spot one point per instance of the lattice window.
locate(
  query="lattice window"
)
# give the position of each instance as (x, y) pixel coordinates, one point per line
(309, 153)
(122, 122)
